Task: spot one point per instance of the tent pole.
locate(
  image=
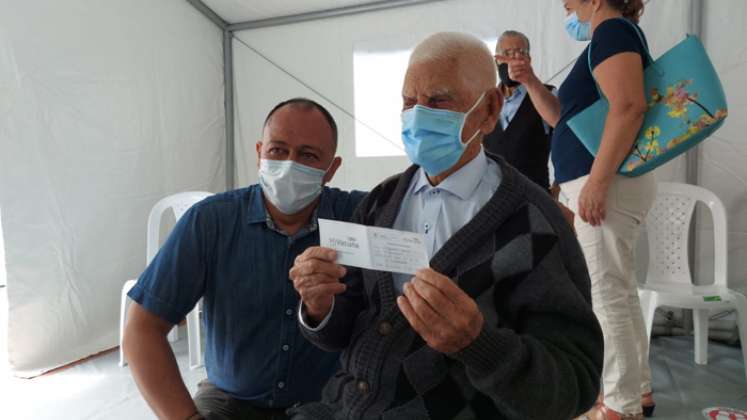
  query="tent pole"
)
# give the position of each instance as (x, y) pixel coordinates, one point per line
(324, 14)
(228, 78)
(692, 163)
(695, 27)
(208, 13)
(228, 82)
(692, 157)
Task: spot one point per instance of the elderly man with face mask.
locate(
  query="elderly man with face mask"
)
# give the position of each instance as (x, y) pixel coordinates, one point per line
(234, 251)
(500, 325)
(521, 137)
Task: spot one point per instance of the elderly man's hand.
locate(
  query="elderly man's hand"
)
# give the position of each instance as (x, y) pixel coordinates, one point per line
(444, 316)
(316, 278)
(519, 69)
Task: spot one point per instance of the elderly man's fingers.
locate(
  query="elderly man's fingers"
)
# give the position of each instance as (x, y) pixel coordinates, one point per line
(457, 311)
(447, 287)
(442, 305)
(445, 295)
(422, 306)
(412, 317)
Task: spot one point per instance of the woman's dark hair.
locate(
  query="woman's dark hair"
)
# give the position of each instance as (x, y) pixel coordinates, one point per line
(630, 9)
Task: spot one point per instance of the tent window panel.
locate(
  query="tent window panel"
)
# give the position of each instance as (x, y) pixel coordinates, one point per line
(379, 71)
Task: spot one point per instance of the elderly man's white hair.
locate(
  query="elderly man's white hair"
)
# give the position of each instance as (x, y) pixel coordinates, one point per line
(475, 61)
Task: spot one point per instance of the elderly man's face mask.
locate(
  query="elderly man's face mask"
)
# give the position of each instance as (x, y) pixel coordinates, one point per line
(433, 137)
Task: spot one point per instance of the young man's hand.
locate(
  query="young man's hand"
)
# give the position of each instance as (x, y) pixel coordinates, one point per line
(316, 278)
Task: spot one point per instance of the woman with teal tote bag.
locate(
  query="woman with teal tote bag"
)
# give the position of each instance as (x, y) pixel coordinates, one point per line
(609, 207)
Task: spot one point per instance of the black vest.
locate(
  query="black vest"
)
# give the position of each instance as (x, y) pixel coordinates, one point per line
(524, 144)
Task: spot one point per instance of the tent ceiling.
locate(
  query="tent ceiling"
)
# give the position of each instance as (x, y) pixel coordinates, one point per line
(234, 11)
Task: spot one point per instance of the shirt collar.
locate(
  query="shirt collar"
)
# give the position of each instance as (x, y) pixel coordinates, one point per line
(519, 92)
(256, 209)
(461, 183)
(257, 213)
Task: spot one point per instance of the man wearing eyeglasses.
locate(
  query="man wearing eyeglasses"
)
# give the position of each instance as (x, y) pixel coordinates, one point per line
(521, 136)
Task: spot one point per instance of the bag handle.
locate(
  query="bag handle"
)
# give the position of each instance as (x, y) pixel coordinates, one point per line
(643, 42)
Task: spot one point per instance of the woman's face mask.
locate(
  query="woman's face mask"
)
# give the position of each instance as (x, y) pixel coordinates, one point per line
(575, 27)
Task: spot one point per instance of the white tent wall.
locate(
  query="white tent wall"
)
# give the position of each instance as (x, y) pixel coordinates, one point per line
(105, 107)
(722, 166)
(320, 53)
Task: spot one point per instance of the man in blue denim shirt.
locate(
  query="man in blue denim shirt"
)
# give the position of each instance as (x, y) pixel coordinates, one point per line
(234, 250)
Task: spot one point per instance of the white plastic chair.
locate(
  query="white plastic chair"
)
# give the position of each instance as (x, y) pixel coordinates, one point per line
(669, 283)
(179, 204)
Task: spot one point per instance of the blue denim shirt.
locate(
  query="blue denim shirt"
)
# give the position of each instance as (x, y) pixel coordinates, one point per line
(226, 250)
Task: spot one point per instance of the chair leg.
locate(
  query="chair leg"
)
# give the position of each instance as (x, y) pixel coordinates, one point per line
(173, 334)
(700, 323)
(193, 337)
(122, 319)
(741, 305)
(649, 303)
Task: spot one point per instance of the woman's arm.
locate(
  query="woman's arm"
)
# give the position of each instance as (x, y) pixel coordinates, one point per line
(620, 77)
(544, 101)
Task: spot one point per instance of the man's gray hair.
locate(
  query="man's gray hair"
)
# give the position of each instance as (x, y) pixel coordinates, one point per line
(479, 64)
(515, 34)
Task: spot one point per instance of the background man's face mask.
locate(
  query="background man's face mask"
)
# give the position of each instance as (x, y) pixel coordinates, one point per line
(289, 185)
(503, 75)
(433, 137)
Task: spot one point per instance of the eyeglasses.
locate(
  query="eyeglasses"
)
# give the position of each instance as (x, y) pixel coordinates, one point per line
(515, 52)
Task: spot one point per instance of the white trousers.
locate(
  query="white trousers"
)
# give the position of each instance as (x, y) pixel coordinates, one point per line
(609, 250)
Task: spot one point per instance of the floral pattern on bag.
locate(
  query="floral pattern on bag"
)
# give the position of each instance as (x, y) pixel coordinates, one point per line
(678, 100)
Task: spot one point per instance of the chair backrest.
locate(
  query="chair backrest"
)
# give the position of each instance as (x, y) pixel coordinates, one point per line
(668, 228)
(179, 203)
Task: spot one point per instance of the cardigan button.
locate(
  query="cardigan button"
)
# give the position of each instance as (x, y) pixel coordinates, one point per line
(385, 328)
(363, 387)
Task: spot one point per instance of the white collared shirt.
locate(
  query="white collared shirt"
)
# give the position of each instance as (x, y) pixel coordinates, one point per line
(512, 103)
(440, 211)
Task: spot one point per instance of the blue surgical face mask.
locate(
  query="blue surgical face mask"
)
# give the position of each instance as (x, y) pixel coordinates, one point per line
(580, 31)
(289, 185)
(433, 137)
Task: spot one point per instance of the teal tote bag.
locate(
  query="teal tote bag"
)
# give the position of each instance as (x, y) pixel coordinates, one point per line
(686, 104)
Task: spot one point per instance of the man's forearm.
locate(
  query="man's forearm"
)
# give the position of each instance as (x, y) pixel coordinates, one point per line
(546, 104)
(156, 373)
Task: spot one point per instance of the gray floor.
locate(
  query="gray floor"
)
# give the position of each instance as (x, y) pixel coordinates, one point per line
(683, 389)
(99, 389)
